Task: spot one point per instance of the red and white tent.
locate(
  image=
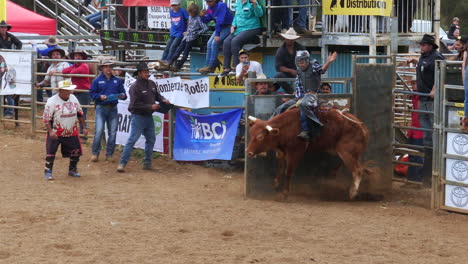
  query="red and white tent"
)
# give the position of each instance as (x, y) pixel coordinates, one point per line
(26, 21)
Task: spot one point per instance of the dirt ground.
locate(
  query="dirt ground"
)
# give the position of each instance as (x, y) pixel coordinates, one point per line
(191, 214)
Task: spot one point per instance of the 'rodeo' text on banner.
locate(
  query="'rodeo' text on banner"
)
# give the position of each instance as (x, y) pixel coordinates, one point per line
(199, 137)
(358, 7)
(15, 72)
(191, 93)
(123, 128)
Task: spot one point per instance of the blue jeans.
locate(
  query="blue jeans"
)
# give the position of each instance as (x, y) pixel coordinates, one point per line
(282, 16)
(140, 124)
(213, 46)
(10, 101)
(426, 120)
(303, 11)
(171, 48)
(185, 47)
(466, 91)
(95, 19)
(233, 44)
(414, 172)
(105, 115)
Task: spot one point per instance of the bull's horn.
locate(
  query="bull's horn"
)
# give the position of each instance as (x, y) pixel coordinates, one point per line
(269, 128)
(253, 119)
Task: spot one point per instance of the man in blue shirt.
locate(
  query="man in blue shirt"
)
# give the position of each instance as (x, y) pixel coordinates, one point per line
(105, 90)
(51, 42)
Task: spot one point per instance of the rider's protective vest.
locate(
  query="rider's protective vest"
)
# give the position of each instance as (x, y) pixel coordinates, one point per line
(310, 79)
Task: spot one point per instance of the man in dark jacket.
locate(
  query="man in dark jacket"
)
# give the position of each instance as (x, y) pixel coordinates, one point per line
(7, 40)
(425, 79)
(144, 100)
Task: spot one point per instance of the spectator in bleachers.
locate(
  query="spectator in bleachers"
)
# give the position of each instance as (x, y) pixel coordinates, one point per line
(245, 27)
(222, 16)
(51, 43)
(179, 17)
(285, 59)
(325, 88)
(245, 66)
(454, 27)
(51, 79)
(95, 18)
(82, 83)
(459, 46)
(195, 28)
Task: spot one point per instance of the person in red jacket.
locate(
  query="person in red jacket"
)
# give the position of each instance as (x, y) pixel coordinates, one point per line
(82, 83)
(415, 137)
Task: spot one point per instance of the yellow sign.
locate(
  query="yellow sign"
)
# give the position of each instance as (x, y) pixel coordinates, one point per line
(460, 113)
(230, 81)
(462, 105)
(3, 10)
(357, 7)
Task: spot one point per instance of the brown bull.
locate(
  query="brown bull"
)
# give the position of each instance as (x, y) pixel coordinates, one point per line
(342, 135)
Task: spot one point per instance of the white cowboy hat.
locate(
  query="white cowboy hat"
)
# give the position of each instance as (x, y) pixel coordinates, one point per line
(66, 85)
(290, 34)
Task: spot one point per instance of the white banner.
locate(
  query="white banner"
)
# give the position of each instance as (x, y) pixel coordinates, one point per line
(159, 17)
(123, 128)
(190, 93)
(15, 72)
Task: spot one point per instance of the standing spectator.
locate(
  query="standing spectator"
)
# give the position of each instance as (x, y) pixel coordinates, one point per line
(261, 88)
(195, 28)
(61, 114)
(465, 84)
(325, 88)
(245, 66)
(415, 137)
(51, 42)
(144, 100)
(82, 83)
(454, 27)
(281, 18)
(222, 16)
(425, 74)
(285, 59)
(8, 41)
(179, 17)
(106, 90)
(51, 79)
(95, 18)
(245, 26)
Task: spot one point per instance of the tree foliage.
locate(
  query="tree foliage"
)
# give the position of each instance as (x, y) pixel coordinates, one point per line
(454, 8)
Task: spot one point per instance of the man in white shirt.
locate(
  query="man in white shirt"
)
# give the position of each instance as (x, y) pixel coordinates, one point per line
(61, 115)
(245, 66)
(51, 79)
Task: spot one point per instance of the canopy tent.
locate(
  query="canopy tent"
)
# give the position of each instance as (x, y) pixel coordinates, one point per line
(26, 21)
(146, 3)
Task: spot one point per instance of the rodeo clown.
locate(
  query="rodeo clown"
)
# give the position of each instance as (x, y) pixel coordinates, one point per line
(307, 84)
(61, 114)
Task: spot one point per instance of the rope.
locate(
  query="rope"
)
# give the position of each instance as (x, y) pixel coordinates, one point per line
(352, 120)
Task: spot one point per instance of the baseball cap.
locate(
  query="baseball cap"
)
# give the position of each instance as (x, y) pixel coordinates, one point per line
(175, 2)
(243, 52)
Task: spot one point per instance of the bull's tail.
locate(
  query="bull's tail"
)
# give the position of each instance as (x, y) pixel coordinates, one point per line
(369, 189)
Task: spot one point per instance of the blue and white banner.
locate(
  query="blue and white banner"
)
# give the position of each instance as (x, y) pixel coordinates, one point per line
(205, 137)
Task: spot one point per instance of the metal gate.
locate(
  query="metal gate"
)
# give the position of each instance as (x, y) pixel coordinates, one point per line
(450, 162)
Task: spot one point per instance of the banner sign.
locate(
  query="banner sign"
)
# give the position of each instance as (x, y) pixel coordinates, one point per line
(358, 7)
(190, 93)
(146, 3)
(199, 137)
(15, 72)
(123, 128)
(3, 11)
(159, 17)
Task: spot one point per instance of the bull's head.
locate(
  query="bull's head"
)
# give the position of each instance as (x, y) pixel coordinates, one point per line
(262, 137)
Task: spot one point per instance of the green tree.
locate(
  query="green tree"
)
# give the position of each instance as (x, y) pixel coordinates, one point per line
(454, 8)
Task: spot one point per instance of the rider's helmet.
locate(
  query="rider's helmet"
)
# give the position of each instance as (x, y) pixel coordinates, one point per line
(302, 59)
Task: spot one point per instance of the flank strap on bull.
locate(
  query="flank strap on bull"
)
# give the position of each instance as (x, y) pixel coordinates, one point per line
(347, 110)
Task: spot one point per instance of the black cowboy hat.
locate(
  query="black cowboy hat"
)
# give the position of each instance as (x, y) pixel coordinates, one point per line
(428, 39)
(4, 24)
(82, 52)
(61, 51)
(142, 66)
